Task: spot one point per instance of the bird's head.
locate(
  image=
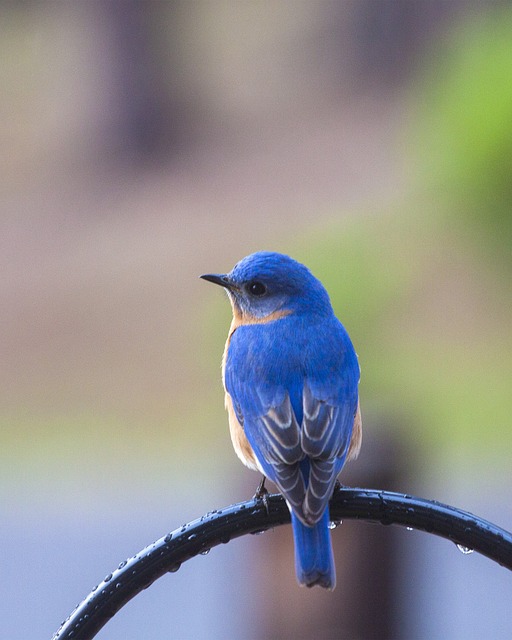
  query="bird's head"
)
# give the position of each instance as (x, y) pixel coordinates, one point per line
(267, 284)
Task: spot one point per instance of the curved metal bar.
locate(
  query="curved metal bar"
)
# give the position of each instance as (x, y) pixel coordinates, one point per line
(221, 526)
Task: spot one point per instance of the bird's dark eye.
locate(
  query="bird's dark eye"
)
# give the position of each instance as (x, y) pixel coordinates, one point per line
(257, 288)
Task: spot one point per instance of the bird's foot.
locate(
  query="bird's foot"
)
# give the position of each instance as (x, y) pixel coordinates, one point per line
(262, 494)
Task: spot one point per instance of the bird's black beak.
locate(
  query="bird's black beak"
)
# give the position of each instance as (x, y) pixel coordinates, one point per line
(218, 278)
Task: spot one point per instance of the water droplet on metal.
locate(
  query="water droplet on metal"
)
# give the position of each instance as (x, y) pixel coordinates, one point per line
(122, 564)
(174, 567)
(409, 528)
(205, 552)
(465, 550)
(107, 578)
(168, 538)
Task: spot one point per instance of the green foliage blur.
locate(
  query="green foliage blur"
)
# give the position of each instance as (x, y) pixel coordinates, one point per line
(464, 126)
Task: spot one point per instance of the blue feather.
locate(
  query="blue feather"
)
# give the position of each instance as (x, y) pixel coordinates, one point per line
(314, 560)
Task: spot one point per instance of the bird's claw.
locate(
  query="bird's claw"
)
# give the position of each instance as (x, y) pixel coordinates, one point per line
(337, 487)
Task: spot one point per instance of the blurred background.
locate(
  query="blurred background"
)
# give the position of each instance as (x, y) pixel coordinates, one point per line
(145, 143)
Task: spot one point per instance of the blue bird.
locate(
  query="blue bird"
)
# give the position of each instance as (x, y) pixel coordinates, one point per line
(291, 378)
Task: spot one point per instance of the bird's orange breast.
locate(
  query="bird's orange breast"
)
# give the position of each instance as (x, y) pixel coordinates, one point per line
(240, 443)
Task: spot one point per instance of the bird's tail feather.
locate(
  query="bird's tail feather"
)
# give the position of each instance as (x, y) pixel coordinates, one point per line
(314, 560)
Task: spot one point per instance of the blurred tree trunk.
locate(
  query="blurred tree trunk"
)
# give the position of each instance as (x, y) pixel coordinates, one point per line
(146, 71)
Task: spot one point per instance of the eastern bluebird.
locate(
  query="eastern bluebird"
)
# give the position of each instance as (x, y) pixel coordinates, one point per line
(291, 378)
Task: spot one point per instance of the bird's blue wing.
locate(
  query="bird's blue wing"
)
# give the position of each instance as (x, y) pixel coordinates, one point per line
(330, 401)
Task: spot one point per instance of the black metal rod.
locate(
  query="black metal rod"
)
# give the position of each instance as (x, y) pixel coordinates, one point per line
(221, 526)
